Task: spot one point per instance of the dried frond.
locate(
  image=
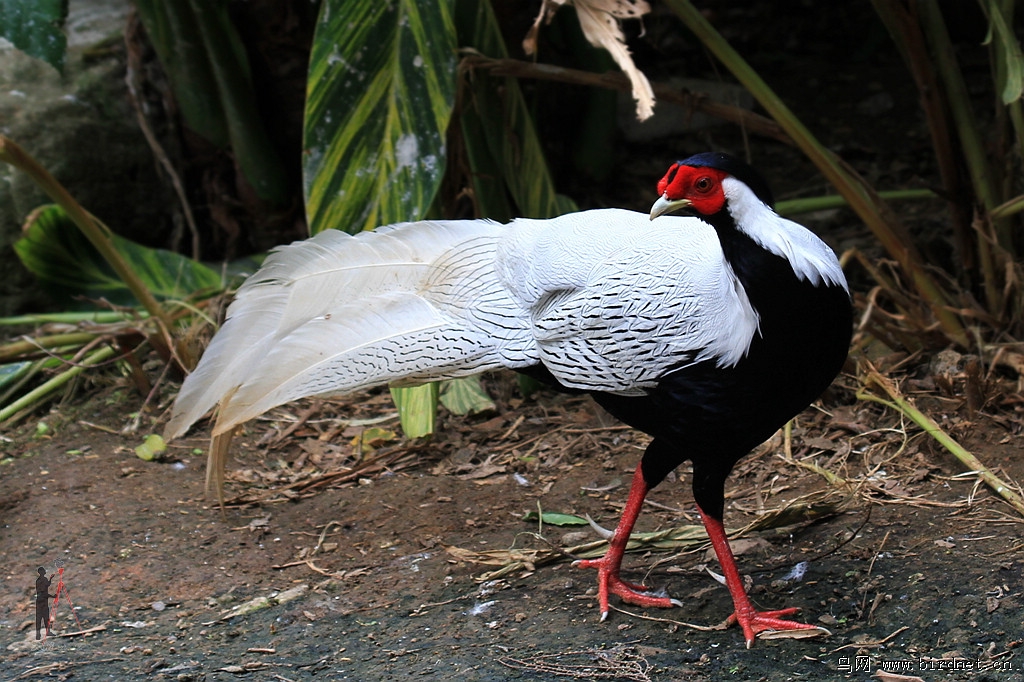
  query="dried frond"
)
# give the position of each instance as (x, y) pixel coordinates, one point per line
(599, 20)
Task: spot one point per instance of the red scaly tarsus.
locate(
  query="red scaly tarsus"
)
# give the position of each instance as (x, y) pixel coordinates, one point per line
(750, 620)
(701, 185)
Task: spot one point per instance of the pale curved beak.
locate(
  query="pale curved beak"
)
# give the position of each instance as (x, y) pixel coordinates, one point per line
(665, 205)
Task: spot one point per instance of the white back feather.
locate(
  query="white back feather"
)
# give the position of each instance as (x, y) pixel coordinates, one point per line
(607, 299)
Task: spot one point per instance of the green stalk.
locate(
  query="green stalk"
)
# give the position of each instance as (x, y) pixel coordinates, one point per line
(1008, 65)
(1015, 205)
(905, 29)
(861, 197)
(96, 317)
(10, 351)
(250, 141)
(95, 232)
(42, 391)
(417, 408)
(900, 404)
(811, 204)
(983, 177)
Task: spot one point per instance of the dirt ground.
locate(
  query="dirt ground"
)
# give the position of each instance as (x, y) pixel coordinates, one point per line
(360, 567)
(346, 552)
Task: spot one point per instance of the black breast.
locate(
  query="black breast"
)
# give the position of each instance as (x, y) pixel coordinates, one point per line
(713, 416)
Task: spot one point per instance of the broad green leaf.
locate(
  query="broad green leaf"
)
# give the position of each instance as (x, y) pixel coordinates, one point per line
(172, 29)
(36, 27)
(417, 408)
(208, 66)
(380, 93)
(465, 396)
(68, 265)
(555, 519)
(13, 372)
(500, 136)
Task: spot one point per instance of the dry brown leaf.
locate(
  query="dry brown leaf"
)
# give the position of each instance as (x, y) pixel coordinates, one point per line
(599, 20)
(805, 633)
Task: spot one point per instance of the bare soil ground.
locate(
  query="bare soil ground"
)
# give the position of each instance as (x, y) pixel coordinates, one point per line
(330, 565)
(346, 553)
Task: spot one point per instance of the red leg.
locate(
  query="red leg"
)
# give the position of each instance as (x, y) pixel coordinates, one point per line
(751, 620)
(608, 580)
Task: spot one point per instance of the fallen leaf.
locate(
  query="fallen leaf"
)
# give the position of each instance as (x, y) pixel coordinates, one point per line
(805, 633)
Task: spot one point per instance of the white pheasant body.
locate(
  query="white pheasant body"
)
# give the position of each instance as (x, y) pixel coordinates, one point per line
(607, 300)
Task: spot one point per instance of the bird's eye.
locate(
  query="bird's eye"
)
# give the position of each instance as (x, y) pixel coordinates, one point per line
(703, 184)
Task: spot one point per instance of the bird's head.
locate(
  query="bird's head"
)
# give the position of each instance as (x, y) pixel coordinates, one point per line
(696, 184)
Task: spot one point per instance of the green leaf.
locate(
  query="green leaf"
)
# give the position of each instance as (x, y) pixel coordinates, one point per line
(380, 95)
(151, 448)
(1008, 54)
(69, 266)
(208, 66)
(500, 136)
(12, 372)
(465, 396)
(417, 408)
(36, 27)
(556, 519)
(173, 30)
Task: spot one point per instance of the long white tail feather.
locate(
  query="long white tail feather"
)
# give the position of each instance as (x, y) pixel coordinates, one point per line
(358, 348)
(325, 304)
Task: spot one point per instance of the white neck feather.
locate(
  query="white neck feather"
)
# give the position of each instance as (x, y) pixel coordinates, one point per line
(812, 260)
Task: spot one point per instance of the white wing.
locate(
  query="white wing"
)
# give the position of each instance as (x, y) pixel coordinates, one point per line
(616, 300)
(608, 300)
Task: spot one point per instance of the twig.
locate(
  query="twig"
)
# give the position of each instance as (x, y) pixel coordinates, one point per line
(614, 80)
(864, 602)
(95, 231)
(693, 626)
(896, 401)
(134, 82)
(876, 643)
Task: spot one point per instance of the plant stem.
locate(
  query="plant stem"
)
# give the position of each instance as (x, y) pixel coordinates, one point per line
(982, 175)
(13, 350)
(901, 19)
(899, 403)
(810, 204)
(1015, 205)
(37, 394)
(96, 317)
(96, 233)
(613, 80)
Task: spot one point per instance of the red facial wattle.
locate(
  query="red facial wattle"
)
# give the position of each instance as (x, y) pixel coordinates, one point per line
(701, 186)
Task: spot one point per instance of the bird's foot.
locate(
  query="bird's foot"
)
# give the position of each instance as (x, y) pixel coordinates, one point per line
(755, 622)
(609, 582)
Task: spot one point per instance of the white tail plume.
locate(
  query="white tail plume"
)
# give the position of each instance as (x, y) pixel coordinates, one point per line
(335, 313)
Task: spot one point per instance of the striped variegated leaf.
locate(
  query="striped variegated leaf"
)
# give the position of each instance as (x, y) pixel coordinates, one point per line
(69, 267)
(500, 137)
(417, 408)
(36, 27)
(379, 97)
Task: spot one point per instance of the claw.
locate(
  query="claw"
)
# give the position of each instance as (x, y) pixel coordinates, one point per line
(609, 583)
(754, 623)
